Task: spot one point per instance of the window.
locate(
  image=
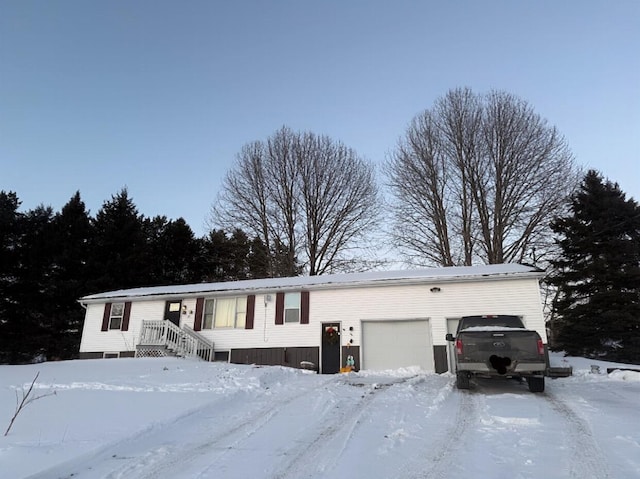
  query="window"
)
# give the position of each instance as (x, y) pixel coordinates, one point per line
(225, 313)
(292, 308)
(116, 315)
(207, 320)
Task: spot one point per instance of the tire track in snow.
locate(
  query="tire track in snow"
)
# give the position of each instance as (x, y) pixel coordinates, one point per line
(217, 445)
(158, 462)
(314, 458)
(587, 460)
(439, 458)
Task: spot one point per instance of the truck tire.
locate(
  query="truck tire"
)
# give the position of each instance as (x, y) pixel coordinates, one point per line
(462, 380)
(536, 385)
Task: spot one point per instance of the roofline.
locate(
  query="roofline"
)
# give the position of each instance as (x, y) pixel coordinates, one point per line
(466, 278)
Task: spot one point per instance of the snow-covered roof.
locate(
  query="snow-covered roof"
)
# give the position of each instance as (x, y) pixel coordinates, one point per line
(427, 275)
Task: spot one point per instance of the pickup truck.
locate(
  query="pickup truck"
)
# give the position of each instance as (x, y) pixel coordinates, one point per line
(498, 346)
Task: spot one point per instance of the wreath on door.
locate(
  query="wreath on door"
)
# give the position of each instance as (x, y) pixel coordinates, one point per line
(331, 335)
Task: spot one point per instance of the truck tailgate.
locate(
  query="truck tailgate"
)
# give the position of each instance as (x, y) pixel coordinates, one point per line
(519, 346)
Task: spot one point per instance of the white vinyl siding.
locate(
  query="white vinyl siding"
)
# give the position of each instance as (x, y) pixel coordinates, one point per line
(95, 340)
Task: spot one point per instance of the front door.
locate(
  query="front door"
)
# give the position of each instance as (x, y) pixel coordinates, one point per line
(172, 311)
(330, 348)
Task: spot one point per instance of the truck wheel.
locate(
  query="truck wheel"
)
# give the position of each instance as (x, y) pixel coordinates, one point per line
(536, 385)
(462, 380)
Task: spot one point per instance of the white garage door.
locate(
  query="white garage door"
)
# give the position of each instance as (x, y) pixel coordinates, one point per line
(396, 344)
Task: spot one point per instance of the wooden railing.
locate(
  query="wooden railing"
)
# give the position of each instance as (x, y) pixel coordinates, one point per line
(183, 341)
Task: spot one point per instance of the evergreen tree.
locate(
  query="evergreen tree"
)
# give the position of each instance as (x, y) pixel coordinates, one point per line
(174, 251)
(220, 257)
(258, 259)
(233, 257)
(10, 221)
(284, 262)
(119, 253)
(73, 234)
(33, 292)
(597, 309)
(239, 248)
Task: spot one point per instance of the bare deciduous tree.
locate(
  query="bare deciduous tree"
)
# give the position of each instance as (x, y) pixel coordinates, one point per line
(478, 178)
(310, 199)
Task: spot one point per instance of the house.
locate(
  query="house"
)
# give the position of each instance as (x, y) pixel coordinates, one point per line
(375, 320)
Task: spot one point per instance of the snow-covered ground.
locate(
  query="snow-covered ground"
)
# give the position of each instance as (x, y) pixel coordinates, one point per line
(175, 418)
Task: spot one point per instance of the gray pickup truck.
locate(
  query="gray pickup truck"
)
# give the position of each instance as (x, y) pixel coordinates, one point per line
(498, 346)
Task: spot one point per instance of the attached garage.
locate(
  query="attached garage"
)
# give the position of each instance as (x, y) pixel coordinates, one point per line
(396, 344)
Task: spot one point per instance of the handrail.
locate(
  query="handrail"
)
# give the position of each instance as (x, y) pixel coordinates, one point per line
(190, 331)
(184, 341)
(204, 347)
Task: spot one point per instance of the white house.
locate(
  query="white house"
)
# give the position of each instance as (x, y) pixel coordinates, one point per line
(380, 320)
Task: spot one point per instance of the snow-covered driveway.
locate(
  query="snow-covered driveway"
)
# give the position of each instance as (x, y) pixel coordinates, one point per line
(173, 418)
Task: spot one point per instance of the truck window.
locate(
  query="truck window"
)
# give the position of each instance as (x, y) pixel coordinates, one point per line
(501, 321)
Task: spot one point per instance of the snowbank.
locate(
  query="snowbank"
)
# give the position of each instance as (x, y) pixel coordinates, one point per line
(168, 418)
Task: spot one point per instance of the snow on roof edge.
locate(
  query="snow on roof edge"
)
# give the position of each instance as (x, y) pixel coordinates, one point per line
(449, 273)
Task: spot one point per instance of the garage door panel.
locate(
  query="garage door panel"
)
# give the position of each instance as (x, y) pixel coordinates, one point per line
(396, 344)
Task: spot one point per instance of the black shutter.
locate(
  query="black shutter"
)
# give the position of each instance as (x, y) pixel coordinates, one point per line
(106, 316)
(279, 308)
(125, 318)
(304, 307)
(251, 308)
(197, 322)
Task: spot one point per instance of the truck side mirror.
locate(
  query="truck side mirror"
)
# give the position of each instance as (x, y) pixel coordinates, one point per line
(450, 337)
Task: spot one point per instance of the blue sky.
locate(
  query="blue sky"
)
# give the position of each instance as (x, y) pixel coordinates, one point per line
(159, 96)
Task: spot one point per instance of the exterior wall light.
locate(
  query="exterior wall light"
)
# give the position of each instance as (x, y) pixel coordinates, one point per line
(435, 289)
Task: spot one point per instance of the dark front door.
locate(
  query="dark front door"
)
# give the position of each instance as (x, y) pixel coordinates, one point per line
(172, 311)
(330, 348)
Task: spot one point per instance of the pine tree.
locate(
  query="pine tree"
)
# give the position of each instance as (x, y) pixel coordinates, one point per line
(233, 257)
(35, 292)
(72, 236)
(597, 308)
(174, 251)
(10, 221)
(120, 256)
